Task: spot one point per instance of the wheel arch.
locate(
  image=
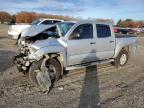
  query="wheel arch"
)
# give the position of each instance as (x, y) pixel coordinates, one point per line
(120, 49)
(59, 57)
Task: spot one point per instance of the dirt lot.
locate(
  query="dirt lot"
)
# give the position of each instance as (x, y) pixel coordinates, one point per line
(102, 86)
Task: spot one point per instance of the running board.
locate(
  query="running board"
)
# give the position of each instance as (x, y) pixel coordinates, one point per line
(88, 64)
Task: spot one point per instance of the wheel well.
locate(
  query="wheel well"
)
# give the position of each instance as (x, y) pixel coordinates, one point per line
(58, 57)
(126, 48)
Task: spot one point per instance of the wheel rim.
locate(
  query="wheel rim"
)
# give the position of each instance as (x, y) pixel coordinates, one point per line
(52, 71)
(123, 59)
(45, 68)
(36, 71)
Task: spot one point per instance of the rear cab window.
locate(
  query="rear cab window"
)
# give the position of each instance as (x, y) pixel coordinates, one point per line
(103, 30)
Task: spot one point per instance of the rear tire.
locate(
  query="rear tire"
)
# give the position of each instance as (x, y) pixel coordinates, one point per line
(122, 58)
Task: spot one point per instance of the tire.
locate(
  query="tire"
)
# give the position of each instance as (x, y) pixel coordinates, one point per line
(122, 58)
(36, 66)
(55, 63)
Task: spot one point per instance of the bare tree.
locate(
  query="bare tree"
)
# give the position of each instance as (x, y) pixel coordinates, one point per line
(4, 17)
(28, 17)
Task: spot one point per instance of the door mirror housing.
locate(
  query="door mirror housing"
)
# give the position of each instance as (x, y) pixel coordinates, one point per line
(74, 36)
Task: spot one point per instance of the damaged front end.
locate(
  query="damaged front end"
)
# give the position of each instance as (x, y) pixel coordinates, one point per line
(25, 55)
(38, 56)
(39, 76)
(27, 61)
(22, 61)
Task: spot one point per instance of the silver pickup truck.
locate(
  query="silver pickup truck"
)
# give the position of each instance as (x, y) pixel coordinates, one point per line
(71, 45)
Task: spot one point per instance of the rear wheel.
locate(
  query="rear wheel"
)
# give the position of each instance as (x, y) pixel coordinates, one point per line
(52, 71)
(122, 58)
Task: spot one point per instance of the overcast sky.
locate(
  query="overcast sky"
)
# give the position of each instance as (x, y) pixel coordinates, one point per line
(112, 9)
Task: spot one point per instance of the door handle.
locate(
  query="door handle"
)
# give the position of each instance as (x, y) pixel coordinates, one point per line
(92, 43)
(111, 41)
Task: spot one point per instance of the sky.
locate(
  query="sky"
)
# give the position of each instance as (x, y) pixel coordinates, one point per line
(107, 9)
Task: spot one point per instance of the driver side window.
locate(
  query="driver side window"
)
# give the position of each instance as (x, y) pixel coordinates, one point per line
(84, 31)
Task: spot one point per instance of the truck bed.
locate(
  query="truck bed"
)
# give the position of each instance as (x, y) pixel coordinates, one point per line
(124, 35)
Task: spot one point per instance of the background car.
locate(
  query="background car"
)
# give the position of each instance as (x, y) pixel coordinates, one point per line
(15, 30)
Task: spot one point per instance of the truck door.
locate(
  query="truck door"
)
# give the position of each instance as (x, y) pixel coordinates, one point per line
(80, 45)
(105, 41)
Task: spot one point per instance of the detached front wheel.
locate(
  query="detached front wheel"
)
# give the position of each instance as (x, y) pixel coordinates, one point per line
(45, 73)
(122, 58)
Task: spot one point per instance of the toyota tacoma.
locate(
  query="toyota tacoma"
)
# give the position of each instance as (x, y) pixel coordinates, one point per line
(71, 45)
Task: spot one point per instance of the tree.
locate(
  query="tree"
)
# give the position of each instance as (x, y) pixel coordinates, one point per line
(4, 17)
(25, 17)
(119, 23)
(130, 23)
(129, 20)
(28, 17)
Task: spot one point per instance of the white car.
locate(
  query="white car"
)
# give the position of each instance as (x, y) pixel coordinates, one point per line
(15, 30)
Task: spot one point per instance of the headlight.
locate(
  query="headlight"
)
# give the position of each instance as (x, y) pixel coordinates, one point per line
(33, 50)
(32, 53)
(22, 42)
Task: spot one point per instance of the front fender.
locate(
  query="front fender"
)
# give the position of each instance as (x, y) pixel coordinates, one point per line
(51, 50)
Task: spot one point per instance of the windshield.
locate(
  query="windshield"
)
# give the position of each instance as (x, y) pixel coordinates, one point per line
(64, 27)
(35, 22)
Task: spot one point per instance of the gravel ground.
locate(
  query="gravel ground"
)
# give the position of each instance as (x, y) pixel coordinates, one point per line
(102, 86)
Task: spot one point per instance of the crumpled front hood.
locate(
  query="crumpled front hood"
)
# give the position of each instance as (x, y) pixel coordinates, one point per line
(34, 30)
(48, 42)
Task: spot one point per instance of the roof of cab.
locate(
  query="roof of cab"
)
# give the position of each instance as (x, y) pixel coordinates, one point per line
(51, 19)
(95, 21)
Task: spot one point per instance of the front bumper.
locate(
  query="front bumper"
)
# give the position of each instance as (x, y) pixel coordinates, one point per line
(22, 60)
(13, 37)
(22, 63)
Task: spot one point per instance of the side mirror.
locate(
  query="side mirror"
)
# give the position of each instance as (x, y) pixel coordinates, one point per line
(75, 36)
